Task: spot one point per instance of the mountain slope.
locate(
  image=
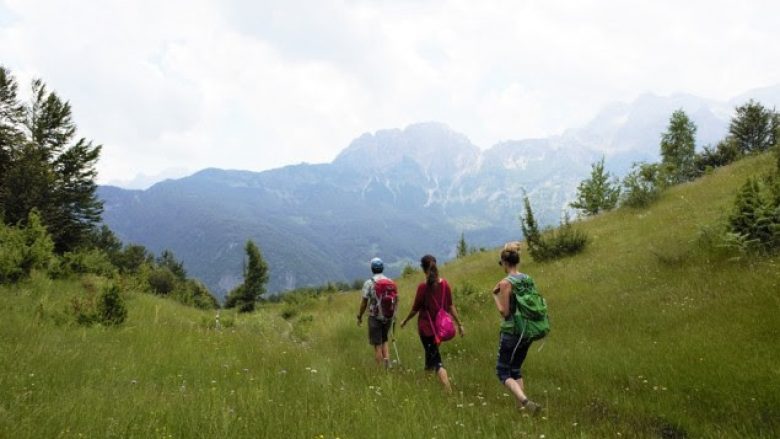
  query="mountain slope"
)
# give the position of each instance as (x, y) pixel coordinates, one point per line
(396, 194)
(654, 335)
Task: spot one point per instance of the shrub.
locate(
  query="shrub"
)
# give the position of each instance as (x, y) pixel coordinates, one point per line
(24, 249)
(552, 244)
(725, 152)
(111, 307)
(408, 271)
(193, 293)
(92, 261)
(755, 216)
(108, 308)
(642, 185)
(12, 250)
(289, 312)
(161, 281)
(565, 240)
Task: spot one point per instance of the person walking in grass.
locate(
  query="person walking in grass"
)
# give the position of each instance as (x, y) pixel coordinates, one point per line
(379, 323)
(512, 348)
(432, 295)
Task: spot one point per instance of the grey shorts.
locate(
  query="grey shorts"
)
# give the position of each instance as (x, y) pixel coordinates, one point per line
(378, 330)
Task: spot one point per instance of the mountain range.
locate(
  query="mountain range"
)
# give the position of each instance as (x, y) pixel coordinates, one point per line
(396, 194)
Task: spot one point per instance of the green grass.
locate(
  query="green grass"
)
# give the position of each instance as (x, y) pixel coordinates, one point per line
(654, 335)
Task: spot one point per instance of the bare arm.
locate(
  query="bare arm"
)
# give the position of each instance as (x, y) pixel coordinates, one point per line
(412, 313)
(363, 305)
(501, 296)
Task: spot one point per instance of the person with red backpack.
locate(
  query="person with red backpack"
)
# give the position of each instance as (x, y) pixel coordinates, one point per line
(380, 296)
(433, 302)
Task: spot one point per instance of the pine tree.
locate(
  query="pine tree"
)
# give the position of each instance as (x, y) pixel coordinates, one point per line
(678, 147)
(168, 260)
(255, 277)
(754, 128)
(463, 248)
(752, 217)
(11, 115)
(45, 167)
(533, 236)
(598, 193)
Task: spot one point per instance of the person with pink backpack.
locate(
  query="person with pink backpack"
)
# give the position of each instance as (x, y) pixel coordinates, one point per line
(433, 302)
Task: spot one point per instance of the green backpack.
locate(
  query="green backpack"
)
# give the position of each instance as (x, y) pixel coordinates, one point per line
(530, 320)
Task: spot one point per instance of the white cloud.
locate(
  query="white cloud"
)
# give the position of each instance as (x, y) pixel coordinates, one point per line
(255, 85)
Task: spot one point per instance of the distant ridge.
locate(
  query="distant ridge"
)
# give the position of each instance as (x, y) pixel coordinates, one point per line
(396, 193)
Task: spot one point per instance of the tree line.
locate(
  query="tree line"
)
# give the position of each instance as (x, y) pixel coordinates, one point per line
(50, 214)
(753, 223)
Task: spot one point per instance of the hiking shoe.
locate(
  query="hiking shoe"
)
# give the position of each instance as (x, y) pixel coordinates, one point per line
(531, 407)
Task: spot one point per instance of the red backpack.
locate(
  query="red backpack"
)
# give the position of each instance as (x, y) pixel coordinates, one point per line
(387, 298)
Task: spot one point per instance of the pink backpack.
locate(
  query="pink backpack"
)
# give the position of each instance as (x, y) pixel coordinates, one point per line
(443, 327)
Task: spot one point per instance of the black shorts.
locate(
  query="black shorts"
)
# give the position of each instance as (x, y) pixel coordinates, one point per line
(432, 355)
(378, 330)
(511, 354)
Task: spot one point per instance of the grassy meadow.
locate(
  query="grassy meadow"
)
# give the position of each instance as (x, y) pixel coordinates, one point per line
(655, 334)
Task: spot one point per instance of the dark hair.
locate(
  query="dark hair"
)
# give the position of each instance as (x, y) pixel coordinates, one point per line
(377, 270)
(511, 257)
(428, 264)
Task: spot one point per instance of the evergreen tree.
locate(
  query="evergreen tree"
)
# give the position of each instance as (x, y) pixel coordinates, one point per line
(462, 249)
(45, 167)
(533, 236)
(11, 116)
(678, 147)
(752, 217)
(755, 128)
(168, 260)
(255, 277)
(597, 193)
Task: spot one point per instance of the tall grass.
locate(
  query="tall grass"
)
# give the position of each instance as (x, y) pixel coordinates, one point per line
(653, 336)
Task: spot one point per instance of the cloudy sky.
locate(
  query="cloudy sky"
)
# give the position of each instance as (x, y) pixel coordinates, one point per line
(170, 87)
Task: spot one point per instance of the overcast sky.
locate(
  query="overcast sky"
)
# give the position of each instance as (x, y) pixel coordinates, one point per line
(176, 86)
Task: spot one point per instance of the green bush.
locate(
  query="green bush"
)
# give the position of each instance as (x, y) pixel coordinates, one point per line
(108, 308)
(642, 185)
(565, 240)
(91, 261)
(552, 244)
(162, 281)
(12, 250)
(24, 249)
(755, 217)
(111, 307)
(193, 293)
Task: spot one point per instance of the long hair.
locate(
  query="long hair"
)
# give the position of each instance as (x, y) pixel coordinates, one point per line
(428, 264)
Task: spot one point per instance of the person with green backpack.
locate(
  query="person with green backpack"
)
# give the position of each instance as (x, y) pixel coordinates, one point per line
(524, 320)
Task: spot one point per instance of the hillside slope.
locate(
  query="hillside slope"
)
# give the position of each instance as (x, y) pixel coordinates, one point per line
(654, 335)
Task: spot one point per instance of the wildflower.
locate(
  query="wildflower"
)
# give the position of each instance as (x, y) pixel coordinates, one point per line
(134, 382)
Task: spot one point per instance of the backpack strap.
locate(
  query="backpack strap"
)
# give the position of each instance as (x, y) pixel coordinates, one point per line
(442, 283)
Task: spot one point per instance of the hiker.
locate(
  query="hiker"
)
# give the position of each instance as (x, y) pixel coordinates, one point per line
(379, 296)
(512, 347)
(432, 295)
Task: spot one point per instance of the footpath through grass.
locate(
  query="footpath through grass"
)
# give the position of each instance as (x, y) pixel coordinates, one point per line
(654, 335)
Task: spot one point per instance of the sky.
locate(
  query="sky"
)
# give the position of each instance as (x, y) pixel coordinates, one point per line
(171, 87)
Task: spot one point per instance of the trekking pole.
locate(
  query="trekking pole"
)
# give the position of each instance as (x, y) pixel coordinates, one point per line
(395, 346)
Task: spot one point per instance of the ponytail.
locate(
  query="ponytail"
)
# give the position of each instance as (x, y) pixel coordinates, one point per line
(428, 264)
